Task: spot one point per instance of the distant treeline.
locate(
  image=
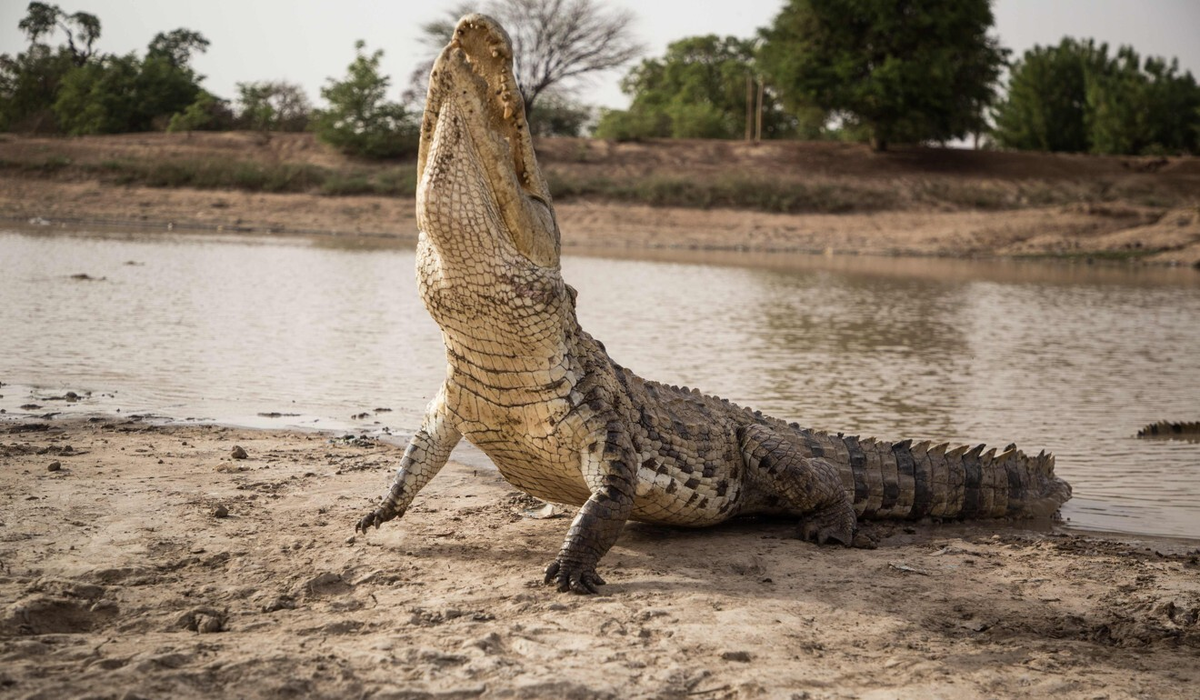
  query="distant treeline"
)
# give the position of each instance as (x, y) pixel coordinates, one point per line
(72, 89)
(925, 71)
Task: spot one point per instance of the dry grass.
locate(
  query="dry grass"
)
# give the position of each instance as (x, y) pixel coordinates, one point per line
(782, 178)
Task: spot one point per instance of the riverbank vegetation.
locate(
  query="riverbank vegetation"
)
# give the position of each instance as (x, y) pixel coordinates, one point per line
(869, 71)
(786, 177)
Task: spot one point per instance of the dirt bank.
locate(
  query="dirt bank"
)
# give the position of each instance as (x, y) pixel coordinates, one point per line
(1085, 231)
(143, 561)
(850, 201)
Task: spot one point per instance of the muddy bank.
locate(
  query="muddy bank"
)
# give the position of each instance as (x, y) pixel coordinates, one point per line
(152, 562)
(1074, 231)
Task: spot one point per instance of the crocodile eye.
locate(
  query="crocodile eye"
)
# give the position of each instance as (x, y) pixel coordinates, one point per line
(545, 211)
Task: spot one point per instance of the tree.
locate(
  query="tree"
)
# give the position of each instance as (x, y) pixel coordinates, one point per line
(177, 46)
(202, 114)
(74, 89)
(273, 106)
(559, 115)
(555, 42)
(916, 70)
(1046, 102)
(42, 19)
(101, 97)
(118, 94)
(1075, 97)
(29, 83)
(359, 120)
(697, 90)
(1173, 101)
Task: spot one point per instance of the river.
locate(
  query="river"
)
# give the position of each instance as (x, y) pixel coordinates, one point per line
(322, 332)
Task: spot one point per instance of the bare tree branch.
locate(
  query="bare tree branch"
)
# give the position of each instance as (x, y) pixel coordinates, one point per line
(554, 42)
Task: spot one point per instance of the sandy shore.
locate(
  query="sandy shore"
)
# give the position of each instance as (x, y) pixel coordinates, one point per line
(141, 561)
(1117, 230)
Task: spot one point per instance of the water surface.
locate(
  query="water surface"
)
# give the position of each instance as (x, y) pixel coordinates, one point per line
(1071, 359)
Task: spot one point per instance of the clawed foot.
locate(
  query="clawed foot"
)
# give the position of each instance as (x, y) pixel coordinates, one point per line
(376, 518)
(837, 524)
(864, 541)
(572, 577)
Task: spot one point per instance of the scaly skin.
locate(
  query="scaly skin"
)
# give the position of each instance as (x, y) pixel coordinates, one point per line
(565, 423)
(1165, 428)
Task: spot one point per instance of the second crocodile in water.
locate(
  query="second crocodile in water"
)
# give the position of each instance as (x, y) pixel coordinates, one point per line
(563, 422)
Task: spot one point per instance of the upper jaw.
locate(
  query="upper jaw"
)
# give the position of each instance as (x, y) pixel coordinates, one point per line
(472, 81)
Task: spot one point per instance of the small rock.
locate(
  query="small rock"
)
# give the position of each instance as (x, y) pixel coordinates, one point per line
(490, 644)
(202, 620)
(54, 466)
(220, 511)
(282, 602)
(325, 583)
(238, 452)
(207, 625)
(741, 656)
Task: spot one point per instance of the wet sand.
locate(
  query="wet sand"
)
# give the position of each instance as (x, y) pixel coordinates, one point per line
(151, 563)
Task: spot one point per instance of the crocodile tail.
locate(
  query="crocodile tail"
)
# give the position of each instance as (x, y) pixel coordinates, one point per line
(912, 481)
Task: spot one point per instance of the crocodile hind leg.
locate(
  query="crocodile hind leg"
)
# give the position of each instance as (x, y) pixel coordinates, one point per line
(808, 485)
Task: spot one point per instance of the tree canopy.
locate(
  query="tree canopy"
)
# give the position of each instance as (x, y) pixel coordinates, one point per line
(360, 120)
(76, 90)
(913, 70)
(697, 90)
(273, 105)
(42, 19)
(1075, 97)
(177, 46)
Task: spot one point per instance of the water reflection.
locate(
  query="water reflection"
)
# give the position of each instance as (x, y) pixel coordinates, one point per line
(1072, 359)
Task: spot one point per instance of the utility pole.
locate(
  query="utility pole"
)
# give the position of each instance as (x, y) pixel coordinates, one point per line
(749, 105)
(758, 120)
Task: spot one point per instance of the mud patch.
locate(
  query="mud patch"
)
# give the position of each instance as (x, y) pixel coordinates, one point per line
(47, 614)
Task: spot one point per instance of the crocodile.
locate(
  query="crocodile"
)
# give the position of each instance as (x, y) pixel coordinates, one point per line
(563, 422)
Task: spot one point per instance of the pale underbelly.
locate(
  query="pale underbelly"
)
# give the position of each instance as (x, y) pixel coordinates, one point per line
(541, 468)
(546, 470)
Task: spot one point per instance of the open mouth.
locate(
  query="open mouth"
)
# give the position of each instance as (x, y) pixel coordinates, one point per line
(475, 71)
(473, 80)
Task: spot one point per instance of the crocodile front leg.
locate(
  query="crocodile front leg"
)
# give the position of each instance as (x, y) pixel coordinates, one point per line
(608, 467)
(426, 455)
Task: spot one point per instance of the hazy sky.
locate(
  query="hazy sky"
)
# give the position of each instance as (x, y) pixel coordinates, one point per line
(307, 42)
